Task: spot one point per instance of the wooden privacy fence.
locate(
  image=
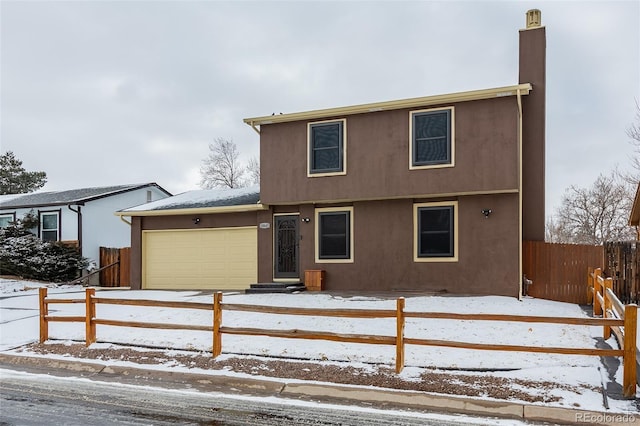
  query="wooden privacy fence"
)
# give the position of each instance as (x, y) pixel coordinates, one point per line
(607, 305)
(622, 264)
(399, 340)
(116, 263)
(557, 270)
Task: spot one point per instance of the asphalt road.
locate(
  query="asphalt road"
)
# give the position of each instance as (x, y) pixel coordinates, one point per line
(37, 399)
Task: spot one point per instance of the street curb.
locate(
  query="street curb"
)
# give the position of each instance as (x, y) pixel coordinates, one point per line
(41, 363)
(204, 382)
(382, 397)
(379, 398)
(457, 404)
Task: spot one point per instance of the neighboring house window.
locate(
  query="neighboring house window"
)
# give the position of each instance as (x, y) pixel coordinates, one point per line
(436, 230)
(432, 142)
(327, 148)
(334, 235)
(49, 226)
(5, 219)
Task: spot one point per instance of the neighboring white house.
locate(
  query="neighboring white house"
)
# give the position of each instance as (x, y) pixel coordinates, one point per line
(84, 216)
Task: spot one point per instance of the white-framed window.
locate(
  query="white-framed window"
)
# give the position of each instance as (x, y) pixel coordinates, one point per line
(50, 226)
(6, 219)
(432, 138)
(334, 235)
(327, 148)
(435, 232)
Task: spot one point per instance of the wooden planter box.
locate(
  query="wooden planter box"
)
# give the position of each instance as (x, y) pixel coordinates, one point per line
(314, 280)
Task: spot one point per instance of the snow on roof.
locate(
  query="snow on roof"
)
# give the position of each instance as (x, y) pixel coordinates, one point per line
(7, 197)
(204, 198)
(48, 198)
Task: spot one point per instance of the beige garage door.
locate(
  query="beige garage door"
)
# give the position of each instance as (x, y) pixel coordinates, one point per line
(224, 259)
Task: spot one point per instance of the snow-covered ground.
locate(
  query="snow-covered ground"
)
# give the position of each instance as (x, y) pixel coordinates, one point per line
(19, 326)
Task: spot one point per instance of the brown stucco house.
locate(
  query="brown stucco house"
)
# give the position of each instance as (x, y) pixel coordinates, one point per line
(433, 193)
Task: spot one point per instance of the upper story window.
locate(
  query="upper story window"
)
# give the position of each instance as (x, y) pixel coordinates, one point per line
(432, 138)
(50, 226)
(5, 219)
(334, 235)
(327, 148)
(436, 232)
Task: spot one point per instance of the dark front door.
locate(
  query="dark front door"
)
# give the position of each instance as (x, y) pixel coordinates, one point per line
(286, 246)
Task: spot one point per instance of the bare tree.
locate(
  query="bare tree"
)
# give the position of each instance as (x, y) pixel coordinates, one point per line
(222, 169)
(253, 167)
(553, 232)
(594, 215)
(633, 177)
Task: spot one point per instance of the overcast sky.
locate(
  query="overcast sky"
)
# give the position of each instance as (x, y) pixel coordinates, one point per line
(114, 92)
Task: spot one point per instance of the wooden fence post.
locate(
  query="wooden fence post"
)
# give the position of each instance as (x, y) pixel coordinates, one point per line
(629, 358)
(597, 309)
(608, 284)
(90, 314)
(44, 311)
(217, 322)
(399, 335)
(590, 285)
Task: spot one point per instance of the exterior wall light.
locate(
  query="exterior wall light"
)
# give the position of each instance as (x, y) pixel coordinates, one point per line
(486, 213)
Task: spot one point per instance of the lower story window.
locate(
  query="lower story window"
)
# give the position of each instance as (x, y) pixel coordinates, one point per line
(6, 219)
(334, 239)
(49, 226)
(436, 232)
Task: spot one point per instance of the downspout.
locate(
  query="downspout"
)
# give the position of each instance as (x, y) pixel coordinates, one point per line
(125, 220)
(79, 215)
(520, 267)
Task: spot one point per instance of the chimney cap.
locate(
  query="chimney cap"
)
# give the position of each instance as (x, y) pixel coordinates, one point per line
(534, 18)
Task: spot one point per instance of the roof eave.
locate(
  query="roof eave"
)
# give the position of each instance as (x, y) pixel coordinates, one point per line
(195, 210)
(498, 92)
(81, 201)
(34, 206)
(122, 191)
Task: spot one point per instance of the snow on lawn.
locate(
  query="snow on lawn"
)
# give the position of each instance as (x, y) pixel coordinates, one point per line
(19, 325)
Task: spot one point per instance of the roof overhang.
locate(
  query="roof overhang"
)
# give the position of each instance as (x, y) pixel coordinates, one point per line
(36, 206)
(194, 210)
(474, 95)
(76, 201)
(634, 218)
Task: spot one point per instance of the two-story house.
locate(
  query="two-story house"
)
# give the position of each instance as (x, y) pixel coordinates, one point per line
(432, 193)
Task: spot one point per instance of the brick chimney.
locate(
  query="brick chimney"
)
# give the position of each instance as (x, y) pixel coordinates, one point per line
(532, 69)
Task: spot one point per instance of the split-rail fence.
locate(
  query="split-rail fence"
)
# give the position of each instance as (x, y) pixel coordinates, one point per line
(399, 314)
(608, 305)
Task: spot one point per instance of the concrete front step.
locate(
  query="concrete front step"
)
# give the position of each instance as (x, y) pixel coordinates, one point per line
(275, 288)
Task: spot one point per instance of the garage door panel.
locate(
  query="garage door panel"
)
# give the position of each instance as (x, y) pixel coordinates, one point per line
(200, 259)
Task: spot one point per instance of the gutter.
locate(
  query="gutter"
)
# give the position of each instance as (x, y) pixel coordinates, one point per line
(193, 210)
(520, 203)
(79, 227)
(473, 95)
